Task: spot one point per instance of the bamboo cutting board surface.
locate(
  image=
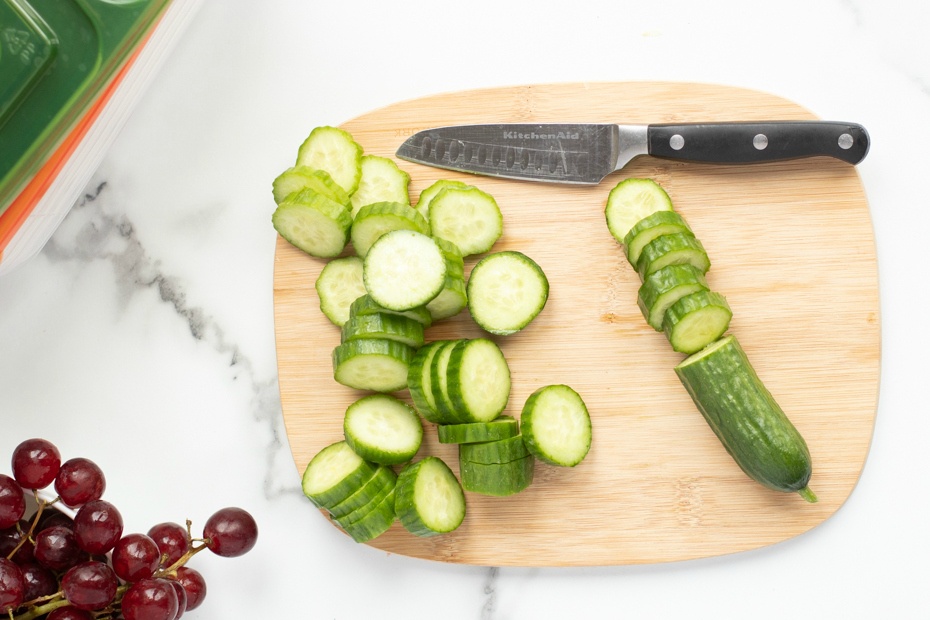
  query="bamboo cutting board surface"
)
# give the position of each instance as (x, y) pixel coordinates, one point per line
(792, 249)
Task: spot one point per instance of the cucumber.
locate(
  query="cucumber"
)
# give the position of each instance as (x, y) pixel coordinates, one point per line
(556, 426)
(439, 382)
(664, 287)
(494, 452)
(506, 291)
(466, 216)
(313, 223)
(497, 479)
(419, 381)
(428, 499)
(652, 226)
(502, 427)
(455, 262)
(746, 417)
(383, 429)
(477, 380)
(374, 364)
(380, 181)
(452, 299)
(373, 220)
(384, 478)
(368, 523)
(335, 151)
(427, 195)
(298, 178)
(365, 305)
(404, 269)
(695, 321)
(384, 325)
(673, 249)
(630, 201)
(338, 286)
(334, 474)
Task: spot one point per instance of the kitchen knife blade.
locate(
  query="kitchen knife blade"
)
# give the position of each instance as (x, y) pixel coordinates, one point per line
(585, 153)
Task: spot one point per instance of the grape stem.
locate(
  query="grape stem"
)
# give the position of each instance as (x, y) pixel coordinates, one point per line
(192, 550)
(40, 506)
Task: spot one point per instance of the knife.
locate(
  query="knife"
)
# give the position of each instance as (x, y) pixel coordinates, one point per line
(585, 153)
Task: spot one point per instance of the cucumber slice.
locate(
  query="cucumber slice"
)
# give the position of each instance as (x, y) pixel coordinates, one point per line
(338, 286)
(674, 249)
(468, 217)
(746, 417)
(299, 178)
(477, 380)
(372, 523)
(404, 269)
(373, 220)
(506, 291)
(383, 429)
(313, 223)
(375, 364)
(334, 474)
(384, 478)
(380, 181)
(452, 299)
(428, 499)
(333, 150)
(493, 452)
(365, 305)
(383, 325)
(439, 383)
(652, 226)
(556, 426)
(497, 479)
(455, 262)
(695, 321)
(503, 427)
(664, 287)
(419, 380)
(630, 201)
(428, 194)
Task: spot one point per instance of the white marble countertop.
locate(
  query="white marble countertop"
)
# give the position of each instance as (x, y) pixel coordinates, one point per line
(142, 336)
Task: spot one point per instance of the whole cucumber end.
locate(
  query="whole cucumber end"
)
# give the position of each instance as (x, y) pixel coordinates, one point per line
(808, 495)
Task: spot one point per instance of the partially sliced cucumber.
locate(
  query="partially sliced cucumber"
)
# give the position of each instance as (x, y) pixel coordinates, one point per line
(313, 223)
(429, 499)
(652, 226)
(674, 249)
(335, 151)
(298, 178)
(378, 365)
(468, 217)
(380, 181)
(452, 299)
(697, 320)
(664, 287)
(404, 269)
(338, 286)
(630, 201)
(383, 429)
(372, 522)
(384, 325)
(506, 291)
(477, 380)
(365, 305)
(427, 195)
(497, 479)
(384, 478)
(556, 426)
(373, 220)
(502, 427)
(492, 452)
(334, 474)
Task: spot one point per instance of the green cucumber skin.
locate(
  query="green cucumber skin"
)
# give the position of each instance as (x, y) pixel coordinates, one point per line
(497, 479)
(419, 371)
(502, 427)
(745, 417)
(676, 248)
(679, 280)
(494, 452)
(405, 505)
(383, 478)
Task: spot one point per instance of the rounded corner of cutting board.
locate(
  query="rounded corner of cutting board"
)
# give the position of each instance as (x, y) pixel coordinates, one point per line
(657, 485)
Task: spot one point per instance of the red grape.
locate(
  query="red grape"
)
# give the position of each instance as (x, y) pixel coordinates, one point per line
(135, 557)
(89, 585)
(182, 597)
(39, 581)
(12, 502)
(150, 599)
(171, 539)
(56, 548)
(69, 613)
(12, 587)
(51, 517)
(79, 481)
(194, 585)
(230, 532)
(36, 463)
(98, 526)
(9, 540)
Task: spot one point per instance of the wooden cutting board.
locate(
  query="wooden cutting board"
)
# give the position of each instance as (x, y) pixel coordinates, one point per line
(793, 251)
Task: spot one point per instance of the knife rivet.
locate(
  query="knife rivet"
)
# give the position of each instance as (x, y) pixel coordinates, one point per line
(760, 141)
(677, 142)
(845, 141)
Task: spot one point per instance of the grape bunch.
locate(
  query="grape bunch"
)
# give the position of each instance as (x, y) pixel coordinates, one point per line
(57, 567)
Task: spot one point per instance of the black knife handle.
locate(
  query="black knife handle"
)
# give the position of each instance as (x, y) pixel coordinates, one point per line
(755, 142)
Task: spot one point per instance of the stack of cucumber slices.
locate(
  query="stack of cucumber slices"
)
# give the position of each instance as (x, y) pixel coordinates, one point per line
(393, 269)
